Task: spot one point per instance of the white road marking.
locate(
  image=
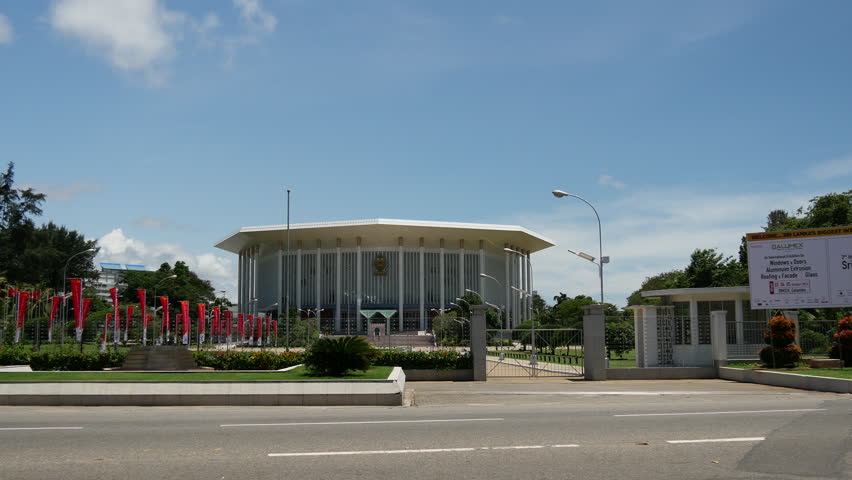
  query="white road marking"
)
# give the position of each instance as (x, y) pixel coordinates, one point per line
(718, 440)
(371, 422)
(719, 413)
(416, 450)
(41, 428)
(628, 393)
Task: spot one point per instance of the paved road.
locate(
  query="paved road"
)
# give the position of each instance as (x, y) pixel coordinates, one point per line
(499, 429)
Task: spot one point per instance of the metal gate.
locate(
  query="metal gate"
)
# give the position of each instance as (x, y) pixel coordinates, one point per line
(534, 353)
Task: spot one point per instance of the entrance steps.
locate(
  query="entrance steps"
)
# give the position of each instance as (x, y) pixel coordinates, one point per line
(159, 358)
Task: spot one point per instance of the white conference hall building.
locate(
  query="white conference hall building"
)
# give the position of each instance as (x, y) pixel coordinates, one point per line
(395, 273)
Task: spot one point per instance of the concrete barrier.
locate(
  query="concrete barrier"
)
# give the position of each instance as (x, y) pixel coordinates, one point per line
(660, 373)
(789, 380)
(258, 393)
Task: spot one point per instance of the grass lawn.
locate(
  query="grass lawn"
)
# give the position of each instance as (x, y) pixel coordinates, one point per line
(374, 373)
(817, 372)
(70, 347)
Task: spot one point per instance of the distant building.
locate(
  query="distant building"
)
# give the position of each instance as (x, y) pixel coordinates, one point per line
(111, 275)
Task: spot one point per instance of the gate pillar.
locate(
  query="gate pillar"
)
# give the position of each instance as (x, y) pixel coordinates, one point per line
(477, 341)
(594, 342)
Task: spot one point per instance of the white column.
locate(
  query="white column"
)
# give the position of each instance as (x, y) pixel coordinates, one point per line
(256, 278)
(338, 289)
(421, 259)
(529, 285)
(738, 319)
(508, 279)
(358, 286)
(280, 293)
(481, 288)
(693, 320)
(460, 292)
(299, 276)
(401, 280)
(718, 338)
(442, 274)
(239, 282)
(319, 276)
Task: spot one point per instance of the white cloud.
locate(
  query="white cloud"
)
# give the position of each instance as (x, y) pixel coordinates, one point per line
(56, 192)
(117, 247)
(134, 36)
(838, 167)
(6, 32)
(646, 232)
(609, 181)
(131, 35)
(257, 22)
(253, 15)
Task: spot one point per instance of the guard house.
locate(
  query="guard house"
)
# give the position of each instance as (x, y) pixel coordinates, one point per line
(677, 333)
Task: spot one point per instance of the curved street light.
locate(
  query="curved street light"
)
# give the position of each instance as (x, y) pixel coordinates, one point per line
(560, 194)
(64, 304)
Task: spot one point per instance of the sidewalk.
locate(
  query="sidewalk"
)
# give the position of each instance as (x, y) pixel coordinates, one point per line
(509, 391)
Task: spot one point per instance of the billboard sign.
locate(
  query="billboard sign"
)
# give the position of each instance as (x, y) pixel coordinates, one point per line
(800, 268)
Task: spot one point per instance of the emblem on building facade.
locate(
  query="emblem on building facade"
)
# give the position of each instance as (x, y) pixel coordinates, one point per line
(380, 265)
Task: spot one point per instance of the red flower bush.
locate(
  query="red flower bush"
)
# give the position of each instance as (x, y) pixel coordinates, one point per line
(780, 337)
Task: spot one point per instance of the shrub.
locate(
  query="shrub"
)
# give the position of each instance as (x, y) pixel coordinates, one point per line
(69, 360)
(335, 356)
(242, 360)
(842, 348)
(775, 357)
(780, 337)
(437, 360)
(814, 342)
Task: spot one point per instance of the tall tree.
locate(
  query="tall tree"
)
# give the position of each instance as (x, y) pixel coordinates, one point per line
(48, 249)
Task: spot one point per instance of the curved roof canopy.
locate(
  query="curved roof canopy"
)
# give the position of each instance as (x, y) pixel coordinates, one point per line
(385, 232)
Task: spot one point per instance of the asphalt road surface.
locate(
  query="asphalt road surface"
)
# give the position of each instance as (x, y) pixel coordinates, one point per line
(493, 430)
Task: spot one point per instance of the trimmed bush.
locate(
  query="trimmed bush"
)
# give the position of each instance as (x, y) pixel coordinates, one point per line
(780, 337)
(438, 360)
(239, 360)
(842, 348)
(62, 361)
(335, 356)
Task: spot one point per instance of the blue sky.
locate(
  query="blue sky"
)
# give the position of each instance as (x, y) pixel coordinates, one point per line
(159, 127)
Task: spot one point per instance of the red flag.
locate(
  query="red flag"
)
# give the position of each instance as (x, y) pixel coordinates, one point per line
(86, 303)
(23, 297)
(35, 295)
(147, 320)
(217, 327)
(202, 318)
(106, 326)
(129, 316)
(76, 299)
(241, 329)
(275, 328)
(164, 302)
(12, 292)
(184, 310)
(142, 304)
(259, 327)
(251, 326)
(53, 308)
(228, 322)
(268, 319)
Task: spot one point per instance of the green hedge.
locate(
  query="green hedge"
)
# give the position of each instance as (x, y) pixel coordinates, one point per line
(232, 360)
(64, 360)
(437, 360)
(237, 360)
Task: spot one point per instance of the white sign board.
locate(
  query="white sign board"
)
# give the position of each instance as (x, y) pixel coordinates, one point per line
(800, 268)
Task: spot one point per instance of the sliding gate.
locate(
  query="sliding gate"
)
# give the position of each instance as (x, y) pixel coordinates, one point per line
(534, 353)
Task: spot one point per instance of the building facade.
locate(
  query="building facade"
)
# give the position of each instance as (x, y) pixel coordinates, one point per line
(400, 273)
(112, 276)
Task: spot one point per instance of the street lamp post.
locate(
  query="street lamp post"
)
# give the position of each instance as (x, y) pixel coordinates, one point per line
(64, 303)
(601, 258)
